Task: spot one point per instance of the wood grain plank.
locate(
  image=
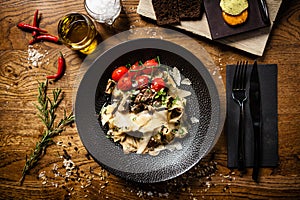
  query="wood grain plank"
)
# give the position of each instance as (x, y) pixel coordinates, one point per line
(20, 128)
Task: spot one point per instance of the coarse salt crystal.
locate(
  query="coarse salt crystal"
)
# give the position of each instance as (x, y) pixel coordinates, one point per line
(42, 174)
(34, 56)
(55, 167)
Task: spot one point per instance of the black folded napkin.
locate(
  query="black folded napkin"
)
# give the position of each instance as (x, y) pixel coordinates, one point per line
(269, 149)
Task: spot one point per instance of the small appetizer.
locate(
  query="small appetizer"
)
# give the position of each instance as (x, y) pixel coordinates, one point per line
(234, 12)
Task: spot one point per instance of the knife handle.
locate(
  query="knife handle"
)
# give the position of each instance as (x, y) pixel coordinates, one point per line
(264, 11)
(241, 140)
(257, 148)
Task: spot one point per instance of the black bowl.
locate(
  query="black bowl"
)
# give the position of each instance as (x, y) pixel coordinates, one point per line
(203, 104)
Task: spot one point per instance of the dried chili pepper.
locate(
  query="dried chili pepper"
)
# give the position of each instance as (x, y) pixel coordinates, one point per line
(38, 34)
(45, 37)
(30, 28)
(35, 22)
(60, 68)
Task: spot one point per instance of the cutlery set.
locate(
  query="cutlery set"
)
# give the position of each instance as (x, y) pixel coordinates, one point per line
(239, 94)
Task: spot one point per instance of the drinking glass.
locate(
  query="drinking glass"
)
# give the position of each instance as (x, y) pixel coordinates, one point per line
(78, 32)
(103, 11)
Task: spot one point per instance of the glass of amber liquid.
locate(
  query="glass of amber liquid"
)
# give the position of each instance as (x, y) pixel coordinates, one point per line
(78, 32)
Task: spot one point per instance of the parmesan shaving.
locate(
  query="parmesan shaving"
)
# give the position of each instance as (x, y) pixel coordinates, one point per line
(194, 120)
(176, 76)
(186, 81)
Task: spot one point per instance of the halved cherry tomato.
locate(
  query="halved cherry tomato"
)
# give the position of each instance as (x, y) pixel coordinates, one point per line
(157, 84)
(135, 70)
(119, 72)
(142, 81)
(124, 83)
(150, 66)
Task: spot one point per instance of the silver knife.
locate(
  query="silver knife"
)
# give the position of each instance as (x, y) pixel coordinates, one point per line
(255, 108)
(264, 11)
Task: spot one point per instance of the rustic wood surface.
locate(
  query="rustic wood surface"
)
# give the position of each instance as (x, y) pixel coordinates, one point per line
(20, 128)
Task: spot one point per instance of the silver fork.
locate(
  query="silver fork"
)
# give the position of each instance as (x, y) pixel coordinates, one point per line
(239, 95)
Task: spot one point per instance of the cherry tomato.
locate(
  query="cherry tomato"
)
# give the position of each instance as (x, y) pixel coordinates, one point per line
(142, 81)
(150, 66)
(119, 72)
(157, 84)
(124, 83)
(135, 70)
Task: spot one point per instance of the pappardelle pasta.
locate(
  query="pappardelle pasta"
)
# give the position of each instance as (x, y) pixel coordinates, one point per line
(146, 111)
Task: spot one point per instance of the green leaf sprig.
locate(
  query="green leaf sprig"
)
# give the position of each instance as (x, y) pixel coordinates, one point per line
(47, 113)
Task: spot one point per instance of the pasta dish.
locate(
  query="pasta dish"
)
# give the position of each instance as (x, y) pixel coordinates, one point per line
(146, 111)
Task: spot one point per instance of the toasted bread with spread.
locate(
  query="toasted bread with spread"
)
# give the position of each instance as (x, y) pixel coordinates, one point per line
(234, 12)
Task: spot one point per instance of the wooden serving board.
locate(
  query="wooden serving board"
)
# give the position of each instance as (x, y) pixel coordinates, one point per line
(253, 42)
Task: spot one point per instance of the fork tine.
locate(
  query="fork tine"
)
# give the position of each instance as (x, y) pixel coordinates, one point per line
(236, 76)
(239, 80)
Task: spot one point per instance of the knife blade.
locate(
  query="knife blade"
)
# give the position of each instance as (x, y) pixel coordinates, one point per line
(264, 11)
(255, 108)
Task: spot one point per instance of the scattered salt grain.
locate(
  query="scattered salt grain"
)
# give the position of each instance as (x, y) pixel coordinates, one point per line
(55, 167)
(150, 193)
(68, 164)
(208, 184)
(35, 58)
(43, 177)
(59, 143)
(163, 194)
(55, 185)
(42, 174)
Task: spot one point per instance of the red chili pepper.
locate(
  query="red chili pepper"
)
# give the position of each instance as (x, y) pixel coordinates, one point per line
(30, 28)
(35, 22)
(60, 68)
(45, 37)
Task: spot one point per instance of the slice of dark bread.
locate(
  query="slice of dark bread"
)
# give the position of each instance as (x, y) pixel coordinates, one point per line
(166, 11)
(189, 9)
(172, 11)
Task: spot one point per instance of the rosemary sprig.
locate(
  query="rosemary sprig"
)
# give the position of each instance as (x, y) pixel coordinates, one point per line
(47, 113)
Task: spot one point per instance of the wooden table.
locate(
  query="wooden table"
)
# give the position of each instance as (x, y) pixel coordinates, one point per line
(20, 128)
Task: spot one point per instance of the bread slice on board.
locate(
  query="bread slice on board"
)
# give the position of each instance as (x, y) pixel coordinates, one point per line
(166, 11)
(189, 9)
(172, 11)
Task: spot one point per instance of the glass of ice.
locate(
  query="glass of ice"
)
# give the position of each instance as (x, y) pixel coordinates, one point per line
(103, 11)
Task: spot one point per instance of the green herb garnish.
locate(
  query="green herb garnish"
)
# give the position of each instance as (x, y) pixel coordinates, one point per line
(161, 93)
(47, 113)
